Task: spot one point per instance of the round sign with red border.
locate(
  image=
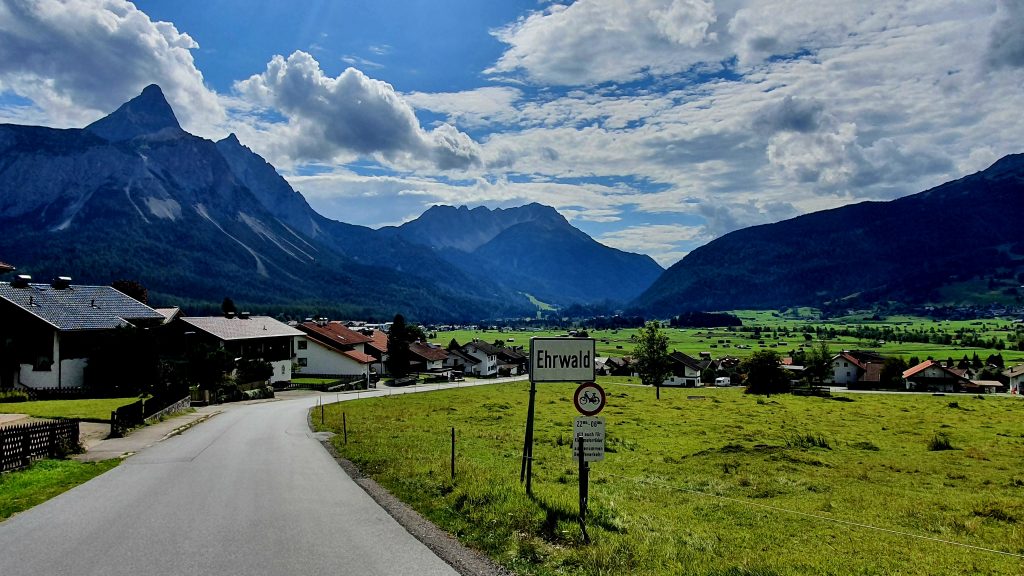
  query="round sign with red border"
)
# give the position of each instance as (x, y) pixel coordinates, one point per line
(588, 399)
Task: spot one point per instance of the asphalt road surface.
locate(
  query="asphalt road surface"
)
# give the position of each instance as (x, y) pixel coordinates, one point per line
(249, 492)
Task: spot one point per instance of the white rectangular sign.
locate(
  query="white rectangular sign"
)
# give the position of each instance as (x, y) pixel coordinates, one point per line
(591, 428)
(562, 359)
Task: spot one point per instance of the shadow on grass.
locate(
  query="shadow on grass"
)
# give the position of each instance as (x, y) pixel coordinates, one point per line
(555, 513)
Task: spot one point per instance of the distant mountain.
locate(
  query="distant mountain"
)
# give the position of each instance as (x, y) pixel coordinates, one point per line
(958, 243)
(531, 249)
(134, 196)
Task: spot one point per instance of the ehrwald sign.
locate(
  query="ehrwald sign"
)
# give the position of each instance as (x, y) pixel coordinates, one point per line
(562, 359)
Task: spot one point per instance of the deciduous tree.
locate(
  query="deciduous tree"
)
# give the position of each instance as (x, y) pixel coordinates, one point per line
(650, 356)
(765, 374)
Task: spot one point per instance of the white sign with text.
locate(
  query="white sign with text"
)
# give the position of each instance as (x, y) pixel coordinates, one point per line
(591, 429)
(562, 359)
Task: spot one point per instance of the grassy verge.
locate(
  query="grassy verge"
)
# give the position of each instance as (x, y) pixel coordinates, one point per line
(97, 409)
(722, 483)
(45, 479)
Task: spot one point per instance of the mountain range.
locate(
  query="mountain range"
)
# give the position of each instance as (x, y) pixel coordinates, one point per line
(135, 196)
(961, 243)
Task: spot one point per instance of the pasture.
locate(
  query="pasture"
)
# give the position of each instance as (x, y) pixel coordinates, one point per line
(711, 481)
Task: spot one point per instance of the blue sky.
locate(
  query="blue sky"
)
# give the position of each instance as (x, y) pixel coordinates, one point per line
(653, 125)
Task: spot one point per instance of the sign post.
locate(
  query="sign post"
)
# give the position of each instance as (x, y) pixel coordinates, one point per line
(553, 360)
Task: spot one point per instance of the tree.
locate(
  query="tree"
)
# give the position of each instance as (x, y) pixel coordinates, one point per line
(228, 306)
(818, 363)
(399, 339)
(765, 374)
(253, 370)
(892, 372)
(650, 356)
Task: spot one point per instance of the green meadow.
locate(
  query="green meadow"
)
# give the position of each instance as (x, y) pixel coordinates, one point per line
(785, 332)
(94, 409)
(711, 481)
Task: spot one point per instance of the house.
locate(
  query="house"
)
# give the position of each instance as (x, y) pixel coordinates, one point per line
(685, 371)
(511, 361)
(459, 361)
(49, 331)
(331, 349)
(429, 359)
(487, 354)
(932, 376)
(619, 366)
(1016, 376)
(857, 369)
(378, 348)
(247, 337)
(984, 386)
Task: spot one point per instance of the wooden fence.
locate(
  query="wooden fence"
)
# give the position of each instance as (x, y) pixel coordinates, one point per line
(20, 444)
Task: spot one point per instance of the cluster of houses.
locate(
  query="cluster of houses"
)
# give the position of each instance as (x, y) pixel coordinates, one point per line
(47, 331)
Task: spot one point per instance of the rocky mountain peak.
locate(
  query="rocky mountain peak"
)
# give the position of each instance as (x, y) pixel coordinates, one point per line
(146, 114)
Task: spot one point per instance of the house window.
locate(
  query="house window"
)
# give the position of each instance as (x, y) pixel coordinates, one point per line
(302, 344)
(300, 361)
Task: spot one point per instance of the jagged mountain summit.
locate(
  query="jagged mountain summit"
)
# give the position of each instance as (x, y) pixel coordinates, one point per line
(534, 250)
(960, 243)
(133, 195)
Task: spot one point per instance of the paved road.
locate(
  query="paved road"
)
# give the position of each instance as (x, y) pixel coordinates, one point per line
(249, 492)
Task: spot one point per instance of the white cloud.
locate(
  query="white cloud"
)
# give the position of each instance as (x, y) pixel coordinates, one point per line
(350, 114)
(1006, 43)
(660, 241)
(77, 60)
(594, 41)
(470, 108)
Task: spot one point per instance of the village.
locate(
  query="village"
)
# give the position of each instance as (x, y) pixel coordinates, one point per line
(61, 339)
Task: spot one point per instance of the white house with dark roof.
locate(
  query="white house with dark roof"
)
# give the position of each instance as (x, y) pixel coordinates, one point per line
(47, 331)
(1016, 376)
(248, 337)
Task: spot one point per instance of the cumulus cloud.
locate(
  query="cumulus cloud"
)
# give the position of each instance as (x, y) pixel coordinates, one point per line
(79, 59)
(594, 41)
(353, 114)
(660, 241)
(472, 108)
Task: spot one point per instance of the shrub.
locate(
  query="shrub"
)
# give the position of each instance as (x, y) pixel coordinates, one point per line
(940, 442)
(13, 396)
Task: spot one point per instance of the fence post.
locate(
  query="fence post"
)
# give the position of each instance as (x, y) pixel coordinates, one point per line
(344, 427)
(26, 446)
(453, 453)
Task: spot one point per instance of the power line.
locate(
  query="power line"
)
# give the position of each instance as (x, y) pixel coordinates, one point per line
(817, 516)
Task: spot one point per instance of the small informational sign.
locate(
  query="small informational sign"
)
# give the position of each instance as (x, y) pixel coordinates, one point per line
(562, 359)
(591, 429)
(589, 399)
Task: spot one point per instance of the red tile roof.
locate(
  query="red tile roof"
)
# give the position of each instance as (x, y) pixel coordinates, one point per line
(334, 333)
(379, 341)
(359, 356)
(920, 367)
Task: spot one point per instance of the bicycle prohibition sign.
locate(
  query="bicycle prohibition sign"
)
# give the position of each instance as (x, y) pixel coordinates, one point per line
(589, 399)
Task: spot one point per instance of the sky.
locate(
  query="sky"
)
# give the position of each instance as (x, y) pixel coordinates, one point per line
(655, 126)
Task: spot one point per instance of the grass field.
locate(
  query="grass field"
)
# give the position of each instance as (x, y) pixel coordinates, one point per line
(734, 342)
(91, 409)
(45, 479)
(722, 483)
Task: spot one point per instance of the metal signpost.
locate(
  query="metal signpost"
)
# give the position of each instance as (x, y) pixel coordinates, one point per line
(554, 360)
(588, 441)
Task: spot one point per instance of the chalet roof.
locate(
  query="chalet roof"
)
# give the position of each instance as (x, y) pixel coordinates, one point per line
(334, 333)
(428, 352)
(910, 373)
(1014, 371)
(378, 341)
(169, 314)
(851, 359)
(974, 384)
(79, 307)
(235, 328)
(358, 356)
(467, 358)
(511, 354)
(484, 347)
(685, 360)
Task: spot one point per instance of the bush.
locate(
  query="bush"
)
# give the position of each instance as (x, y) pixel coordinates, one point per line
(259, 393)
(13, 396)
(807, 441)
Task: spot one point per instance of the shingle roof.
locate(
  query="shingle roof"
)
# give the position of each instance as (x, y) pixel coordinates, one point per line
(79, 307)
(484, 347)
(1014, 371)
(360, 357)
(241, 328)
(685, 360)
(336, 333)
(379, 341)
(428, 352)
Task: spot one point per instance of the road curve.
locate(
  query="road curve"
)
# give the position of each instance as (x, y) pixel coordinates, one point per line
(250, 492)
